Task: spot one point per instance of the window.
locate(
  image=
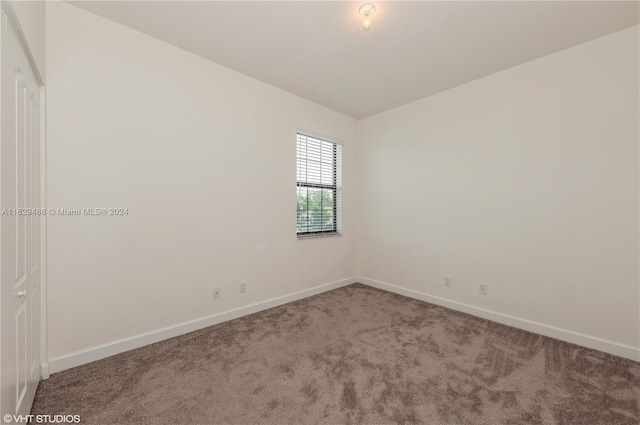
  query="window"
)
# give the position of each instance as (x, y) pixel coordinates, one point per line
(319, 187)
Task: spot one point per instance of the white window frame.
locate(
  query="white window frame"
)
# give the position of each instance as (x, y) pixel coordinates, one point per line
(336, 186)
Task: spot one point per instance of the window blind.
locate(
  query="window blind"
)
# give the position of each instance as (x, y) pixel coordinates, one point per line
(319, 187)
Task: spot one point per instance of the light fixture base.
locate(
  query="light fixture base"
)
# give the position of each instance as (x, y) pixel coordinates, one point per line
(367, 9)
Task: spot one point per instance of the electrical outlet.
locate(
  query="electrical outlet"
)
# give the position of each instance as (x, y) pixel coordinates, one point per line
(483, 289)
(216, 293)
(243, 286)
(447, 281)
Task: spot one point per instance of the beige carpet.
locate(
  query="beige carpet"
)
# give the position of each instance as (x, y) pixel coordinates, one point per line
(355, 355)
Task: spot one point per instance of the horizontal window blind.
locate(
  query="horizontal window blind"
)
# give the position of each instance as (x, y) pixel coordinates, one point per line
(319, 188)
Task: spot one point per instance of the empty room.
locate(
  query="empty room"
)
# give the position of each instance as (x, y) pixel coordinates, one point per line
(320, 212)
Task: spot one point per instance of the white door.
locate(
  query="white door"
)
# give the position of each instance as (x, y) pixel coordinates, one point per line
(19, 231)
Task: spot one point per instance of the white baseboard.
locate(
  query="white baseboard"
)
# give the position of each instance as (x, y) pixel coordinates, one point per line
(116, 347)
(610, 347)
(99, 352)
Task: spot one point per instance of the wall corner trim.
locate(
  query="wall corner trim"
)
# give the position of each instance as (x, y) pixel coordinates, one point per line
(44, 371)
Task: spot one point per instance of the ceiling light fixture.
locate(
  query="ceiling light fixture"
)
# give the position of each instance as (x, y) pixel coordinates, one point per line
(367, 10)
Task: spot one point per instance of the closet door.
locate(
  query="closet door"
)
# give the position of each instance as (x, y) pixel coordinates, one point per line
(20, 227)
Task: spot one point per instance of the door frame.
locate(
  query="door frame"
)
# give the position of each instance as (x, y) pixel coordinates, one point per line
(44, 358)
(12, 16)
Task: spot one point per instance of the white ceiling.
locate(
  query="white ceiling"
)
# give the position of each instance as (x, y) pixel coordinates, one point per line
(318, 50)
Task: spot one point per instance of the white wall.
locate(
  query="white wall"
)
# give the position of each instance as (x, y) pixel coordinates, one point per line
(203, 157)
(526, 180)
(30, 16)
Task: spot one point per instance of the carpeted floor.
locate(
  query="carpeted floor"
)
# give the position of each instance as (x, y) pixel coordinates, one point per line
(355, 355)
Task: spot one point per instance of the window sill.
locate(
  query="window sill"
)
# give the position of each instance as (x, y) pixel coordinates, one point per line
(319, 235)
